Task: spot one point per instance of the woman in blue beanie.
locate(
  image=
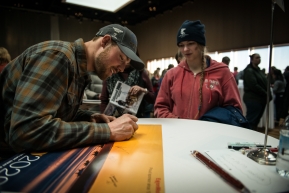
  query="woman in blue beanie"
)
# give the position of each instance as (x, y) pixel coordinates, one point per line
(198, 84)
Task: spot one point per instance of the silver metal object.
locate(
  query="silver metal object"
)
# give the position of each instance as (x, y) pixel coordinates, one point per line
(264, 156)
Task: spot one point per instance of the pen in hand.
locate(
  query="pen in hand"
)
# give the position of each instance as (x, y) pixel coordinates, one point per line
(226, 176)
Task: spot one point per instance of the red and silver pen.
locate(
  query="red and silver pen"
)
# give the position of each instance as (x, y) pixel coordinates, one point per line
(226, 176)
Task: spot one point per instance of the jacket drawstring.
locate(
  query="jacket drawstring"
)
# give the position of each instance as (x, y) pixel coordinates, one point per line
(182, 83)
(209, 87)
(199, 108)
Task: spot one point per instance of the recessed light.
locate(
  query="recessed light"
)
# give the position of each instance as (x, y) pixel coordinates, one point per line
(107, 5)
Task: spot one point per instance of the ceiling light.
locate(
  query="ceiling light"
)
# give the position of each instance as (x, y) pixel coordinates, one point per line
(107, 5)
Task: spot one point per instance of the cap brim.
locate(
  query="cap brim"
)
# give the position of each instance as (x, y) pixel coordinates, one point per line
(135, 62)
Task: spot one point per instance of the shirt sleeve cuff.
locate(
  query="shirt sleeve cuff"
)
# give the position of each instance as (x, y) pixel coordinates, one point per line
(101, 133)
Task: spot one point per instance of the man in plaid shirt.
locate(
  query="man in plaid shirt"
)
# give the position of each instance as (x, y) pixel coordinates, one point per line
(42, 89)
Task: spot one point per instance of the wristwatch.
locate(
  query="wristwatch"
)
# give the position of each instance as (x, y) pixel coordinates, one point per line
(145, 90)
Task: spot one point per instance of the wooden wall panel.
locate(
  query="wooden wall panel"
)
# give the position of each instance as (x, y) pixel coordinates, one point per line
(23, 29)
(230, 24)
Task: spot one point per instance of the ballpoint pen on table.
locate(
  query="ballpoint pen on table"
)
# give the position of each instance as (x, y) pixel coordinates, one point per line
(226, 176)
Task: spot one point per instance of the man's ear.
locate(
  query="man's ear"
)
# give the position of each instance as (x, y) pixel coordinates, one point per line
(105, 41)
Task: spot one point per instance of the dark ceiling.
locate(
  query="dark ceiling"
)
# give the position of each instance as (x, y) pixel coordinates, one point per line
(133, 13)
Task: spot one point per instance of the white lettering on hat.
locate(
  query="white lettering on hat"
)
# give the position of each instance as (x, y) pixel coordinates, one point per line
(114, 35)
(99, 33)
(117, 30)
(183, 33)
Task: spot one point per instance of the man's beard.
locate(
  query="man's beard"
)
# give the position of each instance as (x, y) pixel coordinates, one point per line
(100, 66)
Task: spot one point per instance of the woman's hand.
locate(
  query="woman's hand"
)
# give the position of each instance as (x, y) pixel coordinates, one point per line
(137, 90)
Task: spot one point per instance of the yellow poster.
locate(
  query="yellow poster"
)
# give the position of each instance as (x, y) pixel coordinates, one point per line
(135, 165)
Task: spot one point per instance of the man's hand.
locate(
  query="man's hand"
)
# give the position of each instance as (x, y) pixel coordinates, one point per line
(123, 127)
(101, 118)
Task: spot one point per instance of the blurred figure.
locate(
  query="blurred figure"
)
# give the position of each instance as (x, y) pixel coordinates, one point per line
(271, 74)
(139, 82)
(235, 73)
(170, 66)
(179, 57)
(163, 74)
(285, 107)
(148, 73)
(5, 58)
(255, 91)
(264, 71)
(155, 82)
(226, 60)
(278, 90)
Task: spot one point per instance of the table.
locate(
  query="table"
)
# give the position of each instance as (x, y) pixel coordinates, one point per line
(262, 122)
(183, 173)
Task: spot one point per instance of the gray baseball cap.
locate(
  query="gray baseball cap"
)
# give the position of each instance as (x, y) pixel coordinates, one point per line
(126, 41)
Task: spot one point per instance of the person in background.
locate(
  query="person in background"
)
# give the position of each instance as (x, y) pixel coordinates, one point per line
(278, 90)
(198, 84)
(235, 73)
(226, 60)
(159, 70)
(163, 74)
(284, 111)
(170, 66)
(155, 81)
(264, 71)
(4, 58)
(273, 68)
(255, 91)
(179, 57)
(42, 89)
(139, 82)
(148, 73)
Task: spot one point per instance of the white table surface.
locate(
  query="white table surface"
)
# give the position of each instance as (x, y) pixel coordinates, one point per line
(184, 173)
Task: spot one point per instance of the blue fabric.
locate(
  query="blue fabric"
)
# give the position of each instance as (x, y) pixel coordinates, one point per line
(227, 115)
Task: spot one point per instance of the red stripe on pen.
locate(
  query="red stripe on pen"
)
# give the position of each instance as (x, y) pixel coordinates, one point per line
(230, 179)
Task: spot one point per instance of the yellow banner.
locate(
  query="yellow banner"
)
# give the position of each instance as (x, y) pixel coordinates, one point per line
(135, 165)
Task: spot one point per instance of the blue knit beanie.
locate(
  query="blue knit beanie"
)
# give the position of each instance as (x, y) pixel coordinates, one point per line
(192, 31)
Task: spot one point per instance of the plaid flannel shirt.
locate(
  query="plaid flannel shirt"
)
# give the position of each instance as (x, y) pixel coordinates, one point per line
(41, 91)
